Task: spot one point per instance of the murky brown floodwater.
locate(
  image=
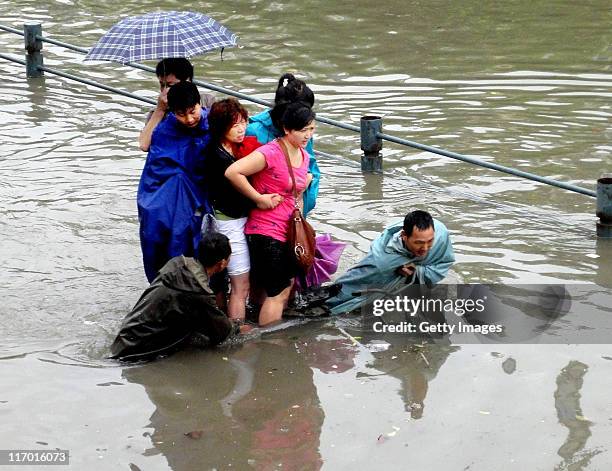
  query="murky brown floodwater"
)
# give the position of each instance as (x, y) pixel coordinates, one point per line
(527, 85)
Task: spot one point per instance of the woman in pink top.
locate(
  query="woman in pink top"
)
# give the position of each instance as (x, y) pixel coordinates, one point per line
(270, 188)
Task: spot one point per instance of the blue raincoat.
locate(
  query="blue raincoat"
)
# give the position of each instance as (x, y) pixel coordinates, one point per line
(171, 193)
(387, 253)
(263, 129)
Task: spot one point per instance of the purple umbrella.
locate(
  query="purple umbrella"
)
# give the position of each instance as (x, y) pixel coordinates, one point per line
(326, 261)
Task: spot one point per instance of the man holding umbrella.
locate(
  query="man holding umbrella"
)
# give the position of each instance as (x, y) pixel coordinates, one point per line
(169, 72)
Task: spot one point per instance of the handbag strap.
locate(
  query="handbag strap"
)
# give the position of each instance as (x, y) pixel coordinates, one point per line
(290, 167)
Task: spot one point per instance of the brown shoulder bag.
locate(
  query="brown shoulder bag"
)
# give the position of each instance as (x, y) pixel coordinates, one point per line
(301, 235)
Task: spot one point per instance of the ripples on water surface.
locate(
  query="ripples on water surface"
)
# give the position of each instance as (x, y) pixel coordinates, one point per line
(523, 85)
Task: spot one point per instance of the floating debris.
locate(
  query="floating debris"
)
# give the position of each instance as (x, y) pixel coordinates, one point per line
(349, 336)
(509, 365)
(384, 436)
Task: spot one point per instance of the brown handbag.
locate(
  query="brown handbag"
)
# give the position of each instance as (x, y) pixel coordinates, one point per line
(300, 235)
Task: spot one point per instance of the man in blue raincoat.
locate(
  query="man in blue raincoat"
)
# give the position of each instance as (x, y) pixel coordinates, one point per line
(171, 196)
(417, 250)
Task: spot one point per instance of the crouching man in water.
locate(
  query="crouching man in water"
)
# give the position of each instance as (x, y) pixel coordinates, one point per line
(415, 251)
(178, 305)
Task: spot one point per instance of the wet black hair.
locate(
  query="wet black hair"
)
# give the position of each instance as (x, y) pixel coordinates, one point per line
(289, 90)
(180, 67)
(182, 96)
(297, 116)
(213, 248)
(420, 219)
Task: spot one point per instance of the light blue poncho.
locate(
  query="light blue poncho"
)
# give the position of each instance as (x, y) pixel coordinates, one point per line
(387, 253)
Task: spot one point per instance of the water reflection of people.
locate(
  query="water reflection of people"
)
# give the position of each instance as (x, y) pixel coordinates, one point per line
(569, 412)
(253, 407)
(282, 410)
(415, 366)
(328, 354)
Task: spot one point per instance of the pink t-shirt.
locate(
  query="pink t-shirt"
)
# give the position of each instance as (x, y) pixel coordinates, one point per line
(275, 178)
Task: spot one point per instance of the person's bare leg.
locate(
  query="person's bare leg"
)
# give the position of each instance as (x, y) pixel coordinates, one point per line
(238, 296)
(272, 308)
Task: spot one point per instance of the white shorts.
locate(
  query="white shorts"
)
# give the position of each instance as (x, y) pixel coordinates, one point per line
(239, 261)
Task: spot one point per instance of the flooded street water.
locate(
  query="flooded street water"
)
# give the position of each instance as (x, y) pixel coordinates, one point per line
(525, 85)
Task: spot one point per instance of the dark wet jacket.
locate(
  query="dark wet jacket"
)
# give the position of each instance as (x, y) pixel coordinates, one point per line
(223, 195)
(178, 304)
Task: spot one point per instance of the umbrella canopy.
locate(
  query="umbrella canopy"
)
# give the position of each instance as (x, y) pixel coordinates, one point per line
(159, 35)
(327, 257)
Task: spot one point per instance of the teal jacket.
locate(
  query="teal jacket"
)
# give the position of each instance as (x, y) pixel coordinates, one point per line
(387, 253)
(262, 128)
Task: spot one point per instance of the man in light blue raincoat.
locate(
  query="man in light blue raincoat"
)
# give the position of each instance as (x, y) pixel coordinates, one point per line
(415, 251)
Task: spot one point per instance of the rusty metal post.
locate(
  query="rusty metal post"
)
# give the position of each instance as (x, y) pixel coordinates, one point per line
(33, 47)
(371, 144)
(604, 206)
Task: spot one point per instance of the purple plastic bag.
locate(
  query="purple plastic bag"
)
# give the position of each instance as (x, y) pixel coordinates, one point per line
(326, 261)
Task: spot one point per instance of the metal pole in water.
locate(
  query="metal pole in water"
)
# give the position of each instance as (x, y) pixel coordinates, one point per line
(371, 144)
(33, 46)
(604, 206)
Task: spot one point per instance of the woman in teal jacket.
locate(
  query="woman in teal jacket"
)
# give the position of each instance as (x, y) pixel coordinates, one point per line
(266, 127)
